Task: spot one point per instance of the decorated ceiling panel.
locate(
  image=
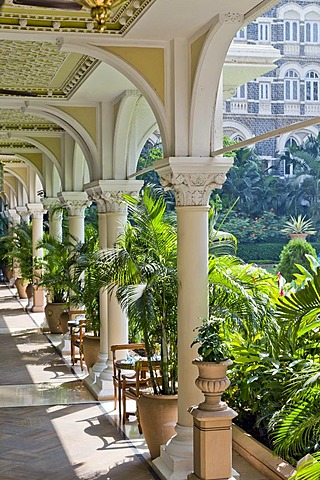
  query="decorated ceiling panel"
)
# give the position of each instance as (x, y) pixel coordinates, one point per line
(15, 119)
(39, 69)
(46, 18)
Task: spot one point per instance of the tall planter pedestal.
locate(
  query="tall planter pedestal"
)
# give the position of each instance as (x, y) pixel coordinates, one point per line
(212, 423)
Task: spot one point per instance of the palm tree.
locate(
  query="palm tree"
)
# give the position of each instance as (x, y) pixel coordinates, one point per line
(143, 269)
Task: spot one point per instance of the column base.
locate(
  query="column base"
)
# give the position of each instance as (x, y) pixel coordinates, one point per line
(176, 457)
(37, 309)
(100, 389)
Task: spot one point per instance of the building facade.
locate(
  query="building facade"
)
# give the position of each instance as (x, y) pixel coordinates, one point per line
(288, 94)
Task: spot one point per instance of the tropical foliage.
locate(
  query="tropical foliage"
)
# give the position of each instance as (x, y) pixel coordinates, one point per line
(293, 254)
(17, 248)
(142, 269)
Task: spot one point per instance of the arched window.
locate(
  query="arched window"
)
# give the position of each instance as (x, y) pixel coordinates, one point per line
(291, 85)
(312, 87)
(312, 32)
(291, 31)
(241, 34)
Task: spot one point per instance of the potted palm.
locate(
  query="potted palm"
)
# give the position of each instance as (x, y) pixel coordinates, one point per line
(55, 277)
(86, 282)
(142, 270)
(213, 362)
(19, 254)
(298, 227)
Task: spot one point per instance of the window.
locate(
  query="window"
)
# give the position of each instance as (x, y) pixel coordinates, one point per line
(264, 91)
(241, 34)
(264, 32)
(291, 83)
(241, 92)
(291, 31)
(312, 32)
(312, 87)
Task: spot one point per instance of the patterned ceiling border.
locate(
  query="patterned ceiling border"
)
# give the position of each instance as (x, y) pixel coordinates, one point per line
(13, 17)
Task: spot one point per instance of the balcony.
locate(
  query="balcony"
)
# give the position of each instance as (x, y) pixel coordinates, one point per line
(292, 108)
(239, 106)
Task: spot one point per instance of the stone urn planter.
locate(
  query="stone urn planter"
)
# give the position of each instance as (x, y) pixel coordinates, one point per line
(53, 311)
(212, 381)
(158, 415)
(298, 236)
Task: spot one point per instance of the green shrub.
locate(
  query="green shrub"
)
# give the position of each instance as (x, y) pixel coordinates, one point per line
(267, 252)
(295, 253)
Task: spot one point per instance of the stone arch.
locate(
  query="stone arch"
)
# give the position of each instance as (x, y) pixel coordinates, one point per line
(160, 110)
(290, 11)
(207, 79)
(43, 149)
(237, 128)
(74, 129)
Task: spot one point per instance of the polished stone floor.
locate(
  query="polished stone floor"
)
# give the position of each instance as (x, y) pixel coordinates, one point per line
(50, 425)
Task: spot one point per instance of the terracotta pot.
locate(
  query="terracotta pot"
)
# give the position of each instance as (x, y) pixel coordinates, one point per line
(53, 312)
(21, 287)
(299, 236)
(64, 319)
(158, 415)
(91, 349)
(212, 381)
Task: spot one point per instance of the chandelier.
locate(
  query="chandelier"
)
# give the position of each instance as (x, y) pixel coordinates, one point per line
(101, 10)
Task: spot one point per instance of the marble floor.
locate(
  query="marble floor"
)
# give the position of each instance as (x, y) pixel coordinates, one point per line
(50, 425)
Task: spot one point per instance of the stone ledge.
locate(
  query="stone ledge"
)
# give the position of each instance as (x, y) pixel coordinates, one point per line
(259, 456)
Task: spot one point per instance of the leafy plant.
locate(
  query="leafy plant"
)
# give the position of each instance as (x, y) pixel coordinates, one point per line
(56, 267)
(299, 225)
(19, 249)
(142, 270)
(86, 278)
(292, 254)
(212, 339)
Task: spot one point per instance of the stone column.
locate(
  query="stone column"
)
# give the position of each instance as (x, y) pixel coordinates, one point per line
(55, 217)
(113, 322)
(37, 211)
(76, 203)
(192, 180)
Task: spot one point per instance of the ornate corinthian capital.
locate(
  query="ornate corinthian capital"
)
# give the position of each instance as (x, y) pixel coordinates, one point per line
(76, 202)
(193, 179)
(108, 194)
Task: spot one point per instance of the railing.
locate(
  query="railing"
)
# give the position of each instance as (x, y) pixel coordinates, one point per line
(239, 106)
(292, 108)
(312, 109)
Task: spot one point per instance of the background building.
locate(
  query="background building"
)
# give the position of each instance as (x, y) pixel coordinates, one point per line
(287, 94)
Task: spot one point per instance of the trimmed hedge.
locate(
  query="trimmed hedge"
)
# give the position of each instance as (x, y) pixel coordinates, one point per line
(269, 252)
(250, 252)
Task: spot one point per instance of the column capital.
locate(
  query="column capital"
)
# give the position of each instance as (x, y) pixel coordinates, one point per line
(75, 202)
(36, 210)
(24, 213)
(193, 178)
(108, 194)
(53, 206)
(14, 216)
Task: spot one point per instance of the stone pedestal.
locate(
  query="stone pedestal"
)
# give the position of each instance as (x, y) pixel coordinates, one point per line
(212, 443)
(212, 425)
